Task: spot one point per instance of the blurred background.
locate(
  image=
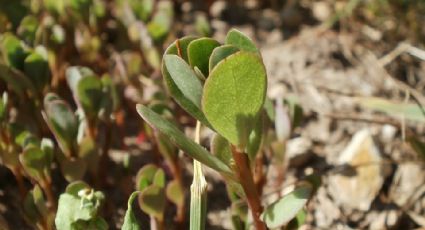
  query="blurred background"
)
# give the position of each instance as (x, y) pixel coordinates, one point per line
(349, 75)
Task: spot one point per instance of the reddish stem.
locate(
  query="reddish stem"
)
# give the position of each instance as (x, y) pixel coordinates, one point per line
(245, 177)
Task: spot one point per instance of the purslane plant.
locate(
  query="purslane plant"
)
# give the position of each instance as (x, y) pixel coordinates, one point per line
(224, 88)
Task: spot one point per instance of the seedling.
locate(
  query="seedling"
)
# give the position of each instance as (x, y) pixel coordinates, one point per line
(224, 88)
(79, 208)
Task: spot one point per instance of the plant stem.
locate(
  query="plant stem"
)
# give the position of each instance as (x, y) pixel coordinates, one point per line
(198, 190)
(20, 181)
(245, 177)
(47, 188)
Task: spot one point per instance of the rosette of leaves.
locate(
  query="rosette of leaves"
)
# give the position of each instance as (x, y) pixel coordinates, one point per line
(223, 87)
(79, 207)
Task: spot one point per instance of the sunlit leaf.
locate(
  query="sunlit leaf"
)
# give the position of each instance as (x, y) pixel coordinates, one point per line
(240, 40)
(130, 221)
(180, 140)
(285, 209)
(233, 96)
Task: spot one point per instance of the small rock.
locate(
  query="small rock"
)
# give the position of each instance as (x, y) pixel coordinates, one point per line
(388, 133)
(298, 151)
(407, 179)
(358, 188)
(321, 10)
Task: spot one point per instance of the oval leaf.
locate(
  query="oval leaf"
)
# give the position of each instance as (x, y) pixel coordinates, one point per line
(179, 47)
(233, 95)
(285, 209)
(240, 40)
(152, 201)
(199, 52)
(184, 78)
(221, 53)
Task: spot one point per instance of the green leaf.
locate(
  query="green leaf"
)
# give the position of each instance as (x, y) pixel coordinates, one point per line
(30, 209)
(152, 201)
(70, 211)
(62, 122)
(40, 201)
(256, 138)
(199, 52)
(36, 163)
(180, 140)
(397, 110)
(76, 186)
(240, 40)
(74, 74)
(159, 178)
(233, 96)
(28, 28)
(3, 106)
(220, 53)
(220, 147)
(202, 25)
(142, 8)
(184, 78)
(145, 176)
(161, 22)
(298, 221)
(13, 50)
(16, 80)
(130, 221)
(73, 169)
(175, 193)
(285, 209)
(90, 94)
(173, 89)
(79, 211)
(36, 67)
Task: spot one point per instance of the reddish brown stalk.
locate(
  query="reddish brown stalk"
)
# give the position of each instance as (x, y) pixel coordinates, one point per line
(47, 188)
(245, 177)
(20, 181)
(259, 176)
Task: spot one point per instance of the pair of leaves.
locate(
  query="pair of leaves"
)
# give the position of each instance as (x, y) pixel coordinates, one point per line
(160, 24)
(36, 160)
(78, 208)
(97, 97)
(150, 180)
